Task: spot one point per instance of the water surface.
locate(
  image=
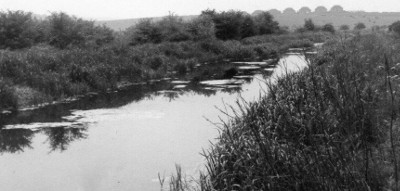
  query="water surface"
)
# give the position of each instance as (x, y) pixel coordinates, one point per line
(121, 140)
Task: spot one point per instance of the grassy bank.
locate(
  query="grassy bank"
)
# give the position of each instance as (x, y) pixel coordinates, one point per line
(332, 126)
(61, 56)
(44, 73)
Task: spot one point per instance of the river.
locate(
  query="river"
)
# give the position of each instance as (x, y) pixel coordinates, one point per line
(122, 140)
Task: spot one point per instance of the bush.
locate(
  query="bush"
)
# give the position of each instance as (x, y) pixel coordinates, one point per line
(265, 24)
(7, 96)
(17, 30)
(173, 29)
(309, 25)
(395, 27)
(144, 32)
(237, 52)
(228, 24)
(153, 62)
(67, 31)
(359, 26)
(328, 28)
(344, 27)
(202, 28)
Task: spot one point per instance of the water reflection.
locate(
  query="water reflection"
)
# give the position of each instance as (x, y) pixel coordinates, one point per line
(62, 123)
(60, 138)
(15, 140)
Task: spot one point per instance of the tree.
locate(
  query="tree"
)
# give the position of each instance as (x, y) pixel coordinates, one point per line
(309, 25)
(17, 30)
(265, 23)
(321, 9)
(65, 31)
(328, 28)
(229, 25)
(289, 11)
(359, 26)
(304, 10)
(344, 27)
(337, 9)
(395, 27)
(248, 27)
(145, 31)
(209, 12)
(173, 29)
(202, 28)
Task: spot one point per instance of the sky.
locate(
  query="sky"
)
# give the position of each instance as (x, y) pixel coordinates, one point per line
(124, 9)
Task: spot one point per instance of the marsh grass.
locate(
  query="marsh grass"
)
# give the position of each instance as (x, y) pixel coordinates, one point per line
(331, 126)
(44, 73)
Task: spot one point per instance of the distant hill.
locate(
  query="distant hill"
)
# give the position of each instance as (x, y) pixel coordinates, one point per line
(294, 20)
(336, 18)
(122, 24)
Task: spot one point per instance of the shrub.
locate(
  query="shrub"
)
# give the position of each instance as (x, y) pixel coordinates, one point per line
(17, 30)
(173, 29)
(359, 26)
(144, 32)
(67, 31)
(237, 52)
(395, 27)
(7, 96)
(309, 25)
(228, 24)
(153, 62)
(265, 24)
(328, 28)
(344, 27)
(202, 28)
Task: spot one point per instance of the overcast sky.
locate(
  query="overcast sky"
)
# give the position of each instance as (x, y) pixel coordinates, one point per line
(120, 9)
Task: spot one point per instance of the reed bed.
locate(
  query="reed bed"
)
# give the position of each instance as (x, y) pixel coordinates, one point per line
(332, 126)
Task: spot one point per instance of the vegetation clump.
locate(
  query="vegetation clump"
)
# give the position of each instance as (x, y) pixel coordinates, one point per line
(328, 127)
(63, 56)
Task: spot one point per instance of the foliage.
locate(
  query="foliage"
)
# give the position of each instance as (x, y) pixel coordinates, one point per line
(328, 28)
(144, 32)
(17, 30)
(344, 27)
(67, 31)
(265, 24)
(332, 126)
(202, 28)
(229, 25)
(359, 26)
(7, 97)
(309, 25)
(173, 29)
(395, 27)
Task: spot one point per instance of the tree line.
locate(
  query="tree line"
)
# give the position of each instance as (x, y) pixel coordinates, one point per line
(20, 29)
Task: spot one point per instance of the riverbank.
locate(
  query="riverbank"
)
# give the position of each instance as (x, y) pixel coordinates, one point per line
(44, 74)
(332, 126)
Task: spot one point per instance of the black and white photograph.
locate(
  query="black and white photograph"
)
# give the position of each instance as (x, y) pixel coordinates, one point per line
(199, 95)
